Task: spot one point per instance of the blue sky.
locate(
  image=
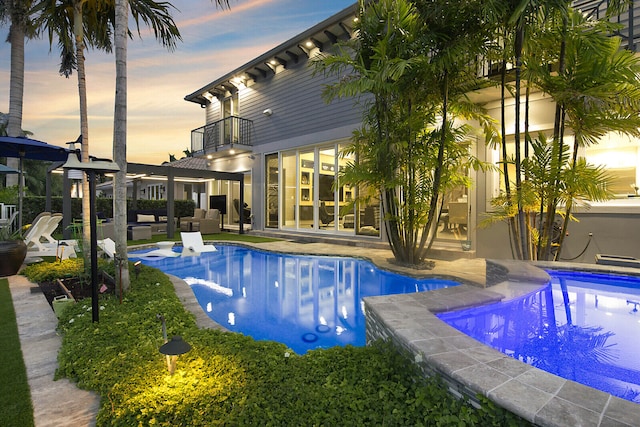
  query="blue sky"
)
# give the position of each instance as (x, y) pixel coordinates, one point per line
(214, 43)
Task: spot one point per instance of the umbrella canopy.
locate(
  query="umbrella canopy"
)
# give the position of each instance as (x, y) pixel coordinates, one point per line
(27, 148)
(6, 170)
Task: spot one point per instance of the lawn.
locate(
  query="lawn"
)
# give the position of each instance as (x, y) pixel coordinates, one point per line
(15, 405)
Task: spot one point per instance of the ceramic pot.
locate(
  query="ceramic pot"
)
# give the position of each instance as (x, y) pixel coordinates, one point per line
(12, 255)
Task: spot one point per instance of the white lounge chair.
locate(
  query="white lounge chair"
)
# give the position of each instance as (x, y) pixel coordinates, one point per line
(108, 246)
(164, 250)
(34, 232)
(51, 226)
(39, 228)
(192, 244)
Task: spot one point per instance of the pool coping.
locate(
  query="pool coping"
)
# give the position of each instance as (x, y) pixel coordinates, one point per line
(470, 368)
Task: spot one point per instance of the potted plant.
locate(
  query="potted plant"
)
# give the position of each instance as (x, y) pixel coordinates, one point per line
(13, 251)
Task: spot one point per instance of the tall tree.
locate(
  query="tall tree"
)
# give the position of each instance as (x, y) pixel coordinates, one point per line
(120, 143)
(412, 65)
(19, 13)
(157, 16)
(77, 23)
(575, 60)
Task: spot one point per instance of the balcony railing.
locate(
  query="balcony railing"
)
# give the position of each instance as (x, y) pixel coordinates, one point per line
(222, 134)
(630, 29)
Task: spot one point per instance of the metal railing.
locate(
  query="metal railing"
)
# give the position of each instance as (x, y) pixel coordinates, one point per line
(228, 131)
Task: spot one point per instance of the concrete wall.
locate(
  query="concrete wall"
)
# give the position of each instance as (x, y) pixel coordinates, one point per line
(614, 233)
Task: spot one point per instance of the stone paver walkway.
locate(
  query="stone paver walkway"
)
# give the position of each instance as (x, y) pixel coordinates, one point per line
(55, 403)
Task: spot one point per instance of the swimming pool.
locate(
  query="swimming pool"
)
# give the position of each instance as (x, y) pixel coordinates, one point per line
(305, 302)
(582, 327)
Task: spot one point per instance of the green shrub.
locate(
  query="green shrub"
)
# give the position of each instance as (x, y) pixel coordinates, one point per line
(33, 205)
(49, 271)
(231, 379)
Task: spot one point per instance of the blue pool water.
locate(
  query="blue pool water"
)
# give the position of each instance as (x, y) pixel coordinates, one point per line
(583, 327)
(305, 302)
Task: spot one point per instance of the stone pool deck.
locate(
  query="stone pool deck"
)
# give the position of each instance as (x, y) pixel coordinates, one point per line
(468, 366)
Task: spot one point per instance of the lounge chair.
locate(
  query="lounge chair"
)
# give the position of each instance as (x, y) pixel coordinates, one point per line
(51, 226)
(108, 246)
(192, 244)
(39, 230)
(164, 250)
(34, 232)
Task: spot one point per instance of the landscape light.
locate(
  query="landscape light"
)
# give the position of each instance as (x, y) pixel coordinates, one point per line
(173, 349)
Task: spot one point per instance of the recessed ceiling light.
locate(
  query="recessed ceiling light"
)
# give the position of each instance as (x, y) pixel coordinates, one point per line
(309, 44)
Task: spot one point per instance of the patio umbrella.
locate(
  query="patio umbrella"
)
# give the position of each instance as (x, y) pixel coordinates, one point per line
(27, 148)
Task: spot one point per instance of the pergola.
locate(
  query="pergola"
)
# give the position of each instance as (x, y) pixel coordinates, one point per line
(168, 171)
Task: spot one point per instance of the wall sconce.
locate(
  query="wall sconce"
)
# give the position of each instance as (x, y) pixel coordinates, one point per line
(268, 112)
(173, 349)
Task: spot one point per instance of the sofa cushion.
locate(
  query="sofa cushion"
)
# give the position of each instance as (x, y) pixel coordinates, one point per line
(146, 218)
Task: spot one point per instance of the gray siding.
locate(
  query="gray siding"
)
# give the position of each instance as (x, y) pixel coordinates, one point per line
(294, 96)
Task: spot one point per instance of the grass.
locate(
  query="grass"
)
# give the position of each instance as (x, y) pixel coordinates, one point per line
(15, 406)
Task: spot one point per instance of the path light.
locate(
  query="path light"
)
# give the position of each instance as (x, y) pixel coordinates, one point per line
(173, 349)
(137, 267)
(92, 168)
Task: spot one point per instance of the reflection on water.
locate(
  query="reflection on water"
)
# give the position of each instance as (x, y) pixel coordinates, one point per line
(304, 302)
(582, 327)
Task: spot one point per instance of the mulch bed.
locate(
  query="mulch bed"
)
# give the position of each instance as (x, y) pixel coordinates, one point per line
(78, 288)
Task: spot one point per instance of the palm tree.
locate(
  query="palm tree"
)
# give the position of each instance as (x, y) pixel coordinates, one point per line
(157, 16)
(414, 64)
(19, 14)
(76, 23)
(574, 60)
(599, 93)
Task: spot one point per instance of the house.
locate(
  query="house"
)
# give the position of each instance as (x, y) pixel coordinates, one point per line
(267, 119)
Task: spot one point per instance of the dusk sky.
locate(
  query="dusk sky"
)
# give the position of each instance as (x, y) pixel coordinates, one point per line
(214, 43)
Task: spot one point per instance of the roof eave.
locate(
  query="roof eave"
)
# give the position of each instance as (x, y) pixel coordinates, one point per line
(198, 97)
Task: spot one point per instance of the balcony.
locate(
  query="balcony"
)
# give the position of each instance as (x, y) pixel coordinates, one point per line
(231, 133)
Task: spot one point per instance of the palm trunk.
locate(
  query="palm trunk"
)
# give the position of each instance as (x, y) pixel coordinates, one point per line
(120, 144)
(437, 173)
(514, 235)
(558, 137)
(524, 241)
(84, 127)
(16, 96)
